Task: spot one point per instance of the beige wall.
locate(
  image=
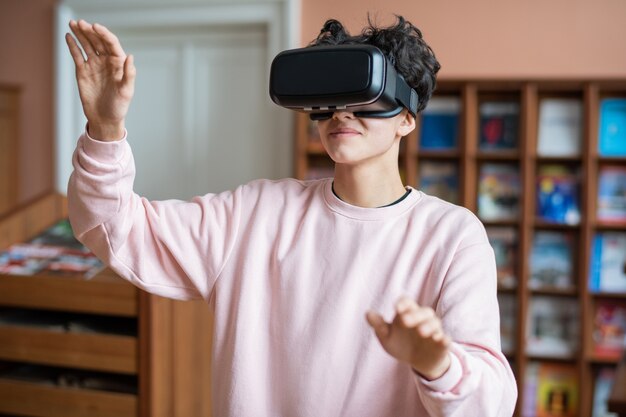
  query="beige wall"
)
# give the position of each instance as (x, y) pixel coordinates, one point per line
(472, 38)
(499, 38)
(26, 53)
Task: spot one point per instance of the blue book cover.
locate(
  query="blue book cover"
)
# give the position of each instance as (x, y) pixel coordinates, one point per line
(612, 134)
(612, 195)
(608, 263)
(594, 265)
(440, 123)
(557, 195)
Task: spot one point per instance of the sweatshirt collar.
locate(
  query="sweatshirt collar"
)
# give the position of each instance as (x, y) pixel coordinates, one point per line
(363, 213)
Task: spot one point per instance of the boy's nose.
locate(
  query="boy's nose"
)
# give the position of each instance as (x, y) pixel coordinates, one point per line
(339, 115)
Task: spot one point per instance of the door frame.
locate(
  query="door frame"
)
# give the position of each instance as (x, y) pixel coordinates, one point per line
(280, 19)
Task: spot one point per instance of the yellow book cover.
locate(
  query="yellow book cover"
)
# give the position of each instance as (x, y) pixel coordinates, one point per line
(557, 391)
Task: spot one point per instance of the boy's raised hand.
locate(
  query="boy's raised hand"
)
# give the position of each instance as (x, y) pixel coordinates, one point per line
(415, 336)
(106, 78)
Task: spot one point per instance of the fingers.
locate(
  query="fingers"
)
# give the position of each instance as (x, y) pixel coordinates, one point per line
(422, 319)
(77, 56)
(110, 41)
(96, 39)
(380, 326)
(93, 38)
(82, 39)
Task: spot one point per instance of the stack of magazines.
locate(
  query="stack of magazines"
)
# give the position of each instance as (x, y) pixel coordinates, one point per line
(55, 251)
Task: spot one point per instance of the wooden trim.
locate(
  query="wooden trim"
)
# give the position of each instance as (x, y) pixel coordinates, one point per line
(96, 351)
(25, 398)
(9, 147)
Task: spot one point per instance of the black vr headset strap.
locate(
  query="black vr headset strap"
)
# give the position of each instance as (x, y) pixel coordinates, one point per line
(406, 96)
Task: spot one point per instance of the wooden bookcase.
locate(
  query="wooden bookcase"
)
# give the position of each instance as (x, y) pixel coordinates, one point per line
(468, 157)
(167, 358)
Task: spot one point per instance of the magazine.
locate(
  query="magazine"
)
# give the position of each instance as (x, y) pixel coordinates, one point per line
(54, 251)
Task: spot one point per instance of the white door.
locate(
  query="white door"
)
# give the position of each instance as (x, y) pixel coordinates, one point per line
(201, 119)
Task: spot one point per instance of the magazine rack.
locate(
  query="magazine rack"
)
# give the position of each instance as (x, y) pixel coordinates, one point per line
(170, 341)
(465, 156)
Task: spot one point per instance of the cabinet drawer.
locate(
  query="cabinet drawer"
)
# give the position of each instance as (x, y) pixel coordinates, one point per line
(102, 352)
(103, 294)
(25, 398)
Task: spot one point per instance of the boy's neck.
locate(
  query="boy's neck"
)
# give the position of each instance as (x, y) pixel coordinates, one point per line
(368, 187)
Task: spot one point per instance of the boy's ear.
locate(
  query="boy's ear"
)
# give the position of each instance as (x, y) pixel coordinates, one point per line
(407, 124)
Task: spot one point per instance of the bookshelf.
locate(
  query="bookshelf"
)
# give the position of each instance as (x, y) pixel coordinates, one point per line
(474, 159)
(152, 360)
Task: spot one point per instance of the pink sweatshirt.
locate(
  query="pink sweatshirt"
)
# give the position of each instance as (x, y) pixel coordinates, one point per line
(290, 271)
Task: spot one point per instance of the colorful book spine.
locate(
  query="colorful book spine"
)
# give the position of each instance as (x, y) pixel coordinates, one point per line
(612, 133)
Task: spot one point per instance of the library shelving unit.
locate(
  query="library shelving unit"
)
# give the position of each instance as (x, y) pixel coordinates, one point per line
(154, 361)
(468, 158)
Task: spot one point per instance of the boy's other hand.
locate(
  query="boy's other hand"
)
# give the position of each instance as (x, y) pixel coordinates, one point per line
(106, 78)
(415, 336)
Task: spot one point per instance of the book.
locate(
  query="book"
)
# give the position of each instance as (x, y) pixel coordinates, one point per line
(499, 125)
(612, 127)
(603, 383)
(552, 327)
(608, 263)
(551, 261)
(560, 127)
(557, 195)
(54, 251)
(531, 381)
(557, 390)
(612, 194)
(440, 179)
(440, 123)
(503, 240)
(609, 329)
(508, 325)
(498, 192)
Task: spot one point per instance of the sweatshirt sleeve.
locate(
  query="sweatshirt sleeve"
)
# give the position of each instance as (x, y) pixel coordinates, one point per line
(171, 248)
(479, 381)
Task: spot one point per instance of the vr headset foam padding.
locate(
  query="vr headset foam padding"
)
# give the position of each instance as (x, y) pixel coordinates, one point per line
(322, 79)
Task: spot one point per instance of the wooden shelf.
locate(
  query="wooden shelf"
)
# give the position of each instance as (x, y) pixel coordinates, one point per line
(105, 293)
(94, 351)
(559, 292)
(469, 159)
(36, 400)
(147, 355)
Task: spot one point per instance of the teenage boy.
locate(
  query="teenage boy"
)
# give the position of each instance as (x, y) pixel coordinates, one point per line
(298, 273)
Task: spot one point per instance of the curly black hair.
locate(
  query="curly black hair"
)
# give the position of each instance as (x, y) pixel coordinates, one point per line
(402, 43)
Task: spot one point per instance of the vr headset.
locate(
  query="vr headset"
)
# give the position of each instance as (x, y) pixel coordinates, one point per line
(356, 78)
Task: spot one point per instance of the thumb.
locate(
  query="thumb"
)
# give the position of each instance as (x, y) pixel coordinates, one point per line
(380, 326)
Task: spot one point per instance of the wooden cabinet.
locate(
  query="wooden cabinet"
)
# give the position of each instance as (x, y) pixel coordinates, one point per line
(470, 158)
(158, 354)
